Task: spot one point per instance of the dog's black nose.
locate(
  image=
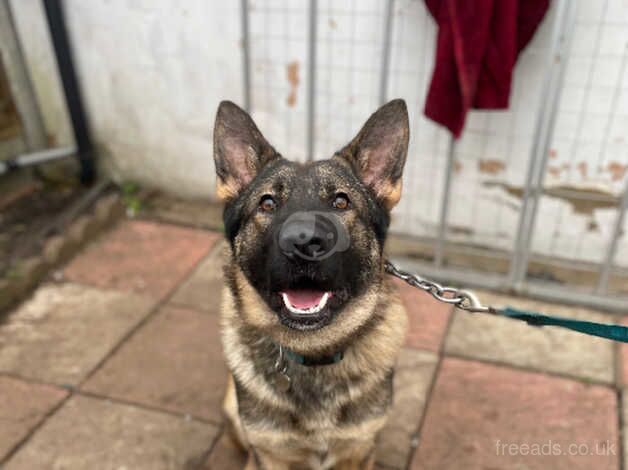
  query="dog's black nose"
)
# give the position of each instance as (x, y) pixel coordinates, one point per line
(306, 238)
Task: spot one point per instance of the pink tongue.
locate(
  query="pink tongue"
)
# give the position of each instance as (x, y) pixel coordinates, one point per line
(303, 298)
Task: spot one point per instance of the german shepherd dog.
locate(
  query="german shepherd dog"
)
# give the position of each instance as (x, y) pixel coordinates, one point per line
(310, 326)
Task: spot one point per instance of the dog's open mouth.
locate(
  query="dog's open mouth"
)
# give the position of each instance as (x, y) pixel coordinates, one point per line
(305, 302)
(306, 308)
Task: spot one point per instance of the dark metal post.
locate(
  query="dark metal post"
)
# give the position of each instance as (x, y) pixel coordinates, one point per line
(65, 63)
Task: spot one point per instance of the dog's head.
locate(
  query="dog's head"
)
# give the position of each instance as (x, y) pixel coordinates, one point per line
(309, 237)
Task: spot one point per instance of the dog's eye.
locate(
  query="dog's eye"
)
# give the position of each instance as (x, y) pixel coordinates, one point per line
(341, 201)
(267, 203)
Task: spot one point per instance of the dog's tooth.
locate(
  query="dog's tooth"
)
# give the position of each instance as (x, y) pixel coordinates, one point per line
(307, 311)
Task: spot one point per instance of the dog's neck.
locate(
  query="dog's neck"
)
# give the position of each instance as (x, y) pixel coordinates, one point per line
(312, 361)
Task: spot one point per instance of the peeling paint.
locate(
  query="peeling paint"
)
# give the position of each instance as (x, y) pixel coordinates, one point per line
(583, 200)
(583, 169)
(617, 170)
(491, 167)
(292, 73)
(592, 226)
(460, 230)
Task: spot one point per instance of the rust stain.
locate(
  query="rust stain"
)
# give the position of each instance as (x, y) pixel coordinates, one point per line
(492, 167)
(553, 153)
(617, 170)
(457, 166)
(51, 140)
(582, 200)
(292, 73)
(511, 189)
(460, 230)
(583, 169)
(592, 226)
(555, 171)
(332, 23)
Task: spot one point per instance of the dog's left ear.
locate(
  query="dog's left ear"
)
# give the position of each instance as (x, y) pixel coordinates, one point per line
(378, 153)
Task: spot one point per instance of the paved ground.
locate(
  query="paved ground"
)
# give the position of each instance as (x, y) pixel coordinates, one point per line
(118, 366)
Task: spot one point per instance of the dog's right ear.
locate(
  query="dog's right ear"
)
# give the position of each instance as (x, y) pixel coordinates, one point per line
(240, 150)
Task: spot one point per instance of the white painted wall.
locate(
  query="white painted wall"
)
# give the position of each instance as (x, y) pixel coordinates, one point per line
(154, 71)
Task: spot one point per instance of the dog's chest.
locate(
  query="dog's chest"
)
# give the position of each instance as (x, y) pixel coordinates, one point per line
(319, 403)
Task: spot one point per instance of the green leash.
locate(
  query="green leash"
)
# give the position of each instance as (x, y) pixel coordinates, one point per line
(603, 330)
(466, 300)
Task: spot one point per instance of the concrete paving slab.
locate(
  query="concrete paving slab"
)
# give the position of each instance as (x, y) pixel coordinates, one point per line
(88, 433)
(427, 318)
(174, 362)
(143, 257)
(492, 417)
(23, 405)
(548, 349)
(202, 290)
(65, 330)
(413, 378)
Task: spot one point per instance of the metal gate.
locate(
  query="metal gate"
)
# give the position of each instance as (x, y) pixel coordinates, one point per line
(531, 200)
(23, 129)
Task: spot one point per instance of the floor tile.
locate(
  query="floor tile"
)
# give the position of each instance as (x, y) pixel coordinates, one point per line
(625, 426)
(226, 455)
(491, 417)
(549, 349)
(427, 318)
(174, 362)
(202, 290)
(413, 377)
(623, 360)
(87, 433)
(65, 330)
(143, 257)
(22, 406)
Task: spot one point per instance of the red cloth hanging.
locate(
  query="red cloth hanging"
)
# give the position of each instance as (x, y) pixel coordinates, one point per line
(477, 47)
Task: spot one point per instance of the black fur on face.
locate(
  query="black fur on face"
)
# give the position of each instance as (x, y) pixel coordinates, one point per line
(262, 190)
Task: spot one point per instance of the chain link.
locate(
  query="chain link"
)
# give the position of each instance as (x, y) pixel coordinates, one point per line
(462, 299)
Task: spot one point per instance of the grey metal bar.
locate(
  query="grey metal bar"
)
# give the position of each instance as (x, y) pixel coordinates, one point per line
(552, 90)
(439, 249)
(19, 82)
(614, 102)
(311, 92)
(542, 291)
(35, 158)
(385, 70)
(605, 272)
(246, 56)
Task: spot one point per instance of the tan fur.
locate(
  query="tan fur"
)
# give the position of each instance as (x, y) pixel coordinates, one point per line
(226, 190)
(392, 195)
(370, 357)
(230, 409)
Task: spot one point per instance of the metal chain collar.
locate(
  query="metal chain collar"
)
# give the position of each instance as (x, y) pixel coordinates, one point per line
(461, 298)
